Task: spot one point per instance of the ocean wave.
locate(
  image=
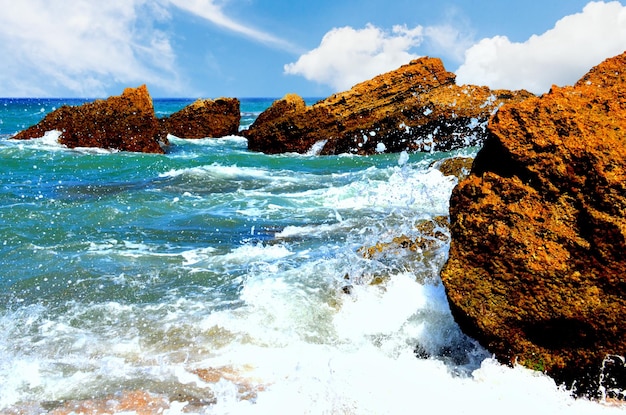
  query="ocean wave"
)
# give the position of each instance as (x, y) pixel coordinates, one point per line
(232, 140)
(221, 171)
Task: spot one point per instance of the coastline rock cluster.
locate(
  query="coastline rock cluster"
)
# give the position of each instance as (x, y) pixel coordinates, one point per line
(536, 268)
(128, 122)
(537, 264)
(417, 107)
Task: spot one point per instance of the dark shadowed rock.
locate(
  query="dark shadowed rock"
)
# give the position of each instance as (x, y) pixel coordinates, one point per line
(417, 107)
(537, 263)
(205, 118)
(126, 122)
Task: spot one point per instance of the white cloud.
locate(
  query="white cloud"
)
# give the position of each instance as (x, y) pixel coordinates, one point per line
(559, 56)
(209, 10)
(52, 47)
(85, 47)
(347, 56)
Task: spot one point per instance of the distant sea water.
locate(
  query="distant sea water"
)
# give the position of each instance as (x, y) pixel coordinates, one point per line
(216, 280)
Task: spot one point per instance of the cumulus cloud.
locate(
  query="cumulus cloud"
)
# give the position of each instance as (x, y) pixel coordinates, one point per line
(51, 47)
(347, 56)
(559, 56)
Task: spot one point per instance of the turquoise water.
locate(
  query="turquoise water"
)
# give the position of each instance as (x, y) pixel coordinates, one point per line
(124, 272)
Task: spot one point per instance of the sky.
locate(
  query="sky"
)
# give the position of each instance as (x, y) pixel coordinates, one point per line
(267, 48)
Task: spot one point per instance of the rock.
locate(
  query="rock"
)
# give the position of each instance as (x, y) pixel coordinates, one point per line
(417, 107)
(205, 118)
(423, 251)
(458, 167)
(126, 122)
(537, 264)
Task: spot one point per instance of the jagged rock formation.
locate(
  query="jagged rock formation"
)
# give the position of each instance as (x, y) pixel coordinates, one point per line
(205, 118)
(537, 263)
(126, 122)
(417, 107)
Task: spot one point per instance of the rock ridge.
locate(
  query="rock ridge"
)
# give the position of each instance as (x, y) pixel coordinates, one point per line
(417, 107)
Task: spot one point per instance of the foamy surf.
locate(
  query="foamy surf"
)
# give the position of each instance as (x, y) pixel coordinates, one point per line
(212, 280)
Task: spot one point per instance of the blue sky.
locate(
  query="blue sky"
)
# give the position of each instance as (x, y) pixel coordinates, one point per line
(253, 48)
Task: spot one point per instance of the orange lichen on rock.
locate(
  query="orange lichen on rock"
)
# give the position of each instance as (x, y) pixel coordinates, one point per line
(537, 270)
(417, 107)
(126, 122)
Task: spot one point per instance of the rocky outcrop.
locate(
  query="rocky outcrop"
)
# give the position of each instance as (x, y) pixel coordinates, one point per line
(205, 118)
(537, 263)
(126, 122)
(417, 107)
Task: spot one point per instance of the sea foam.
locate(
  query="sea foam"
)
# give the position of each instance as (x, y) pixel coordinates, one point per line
(213, 280)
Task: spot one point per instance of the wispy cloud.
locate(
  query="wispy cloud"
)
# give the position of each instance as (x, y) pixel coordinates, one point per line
(86, 48)
(559, 56)
(212, 12)
(81, 47)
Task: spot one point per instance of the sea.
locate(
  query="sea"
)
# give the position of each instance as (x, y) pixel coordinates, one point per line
(216, 280)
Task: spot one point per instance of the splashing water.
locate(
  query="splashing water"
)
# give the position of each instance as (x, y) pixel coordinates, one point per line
(215, 280)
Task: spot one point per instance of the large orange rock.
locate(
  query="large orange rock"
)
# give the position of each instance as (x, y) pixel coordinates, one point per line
(126, 122)
(205, 118)
(537, 263)
(417, 107)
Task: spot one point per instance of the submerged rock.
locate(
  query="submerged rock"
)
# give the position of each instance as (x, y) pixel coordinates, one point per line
(205, 118)
(458, 167)
(417, 107)
(126, 122)
(422, 251)
(537, 264)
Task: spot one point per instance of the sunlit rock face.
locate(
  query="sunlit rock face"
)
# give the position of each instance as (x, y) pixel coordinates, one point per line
(126, 122)
(417, 107)
(537, 263)
(205, 118)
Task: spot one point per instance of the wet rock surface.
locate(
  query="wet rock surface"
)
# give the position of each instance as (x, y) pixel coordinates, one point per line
(125, 122)
(205, 118)
(417, 107)
(537, 264)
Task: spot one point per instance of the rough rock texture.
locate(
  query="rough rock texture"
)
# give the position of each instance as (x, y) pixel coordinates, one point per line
(458, 167)
(537, 263)
(205, 118)
(126, 122)
(417, 107)
(421, 250)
